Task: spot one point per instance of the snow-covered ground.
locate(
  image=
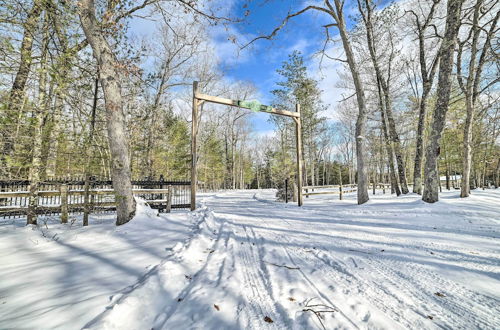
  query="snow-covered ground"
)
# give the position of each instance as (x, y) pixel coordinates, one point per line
(242, 261)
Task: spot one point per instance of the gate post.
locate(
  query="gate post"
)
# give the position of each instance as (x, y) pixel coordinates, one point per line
(194, 132)
(298, 133)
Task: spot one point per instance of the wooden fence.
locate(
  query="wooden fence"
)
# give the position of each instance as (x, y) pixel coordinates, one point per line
(340, 189)
(69, 196)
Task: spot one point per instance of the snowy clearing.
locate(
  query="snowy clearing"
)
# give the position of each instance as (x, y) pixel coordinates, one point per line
(248, 262)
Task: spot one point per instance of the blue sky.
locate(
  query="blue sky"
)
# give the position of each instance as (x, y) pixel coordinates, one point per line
(258, 63)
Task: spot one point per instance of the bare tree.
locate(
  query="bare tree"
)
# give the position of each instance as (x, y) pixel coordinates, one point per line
(109, 77)
(17, 92)
(335, 9)
(446, 58)
(366, 9)
(427, 73)
(478, 57)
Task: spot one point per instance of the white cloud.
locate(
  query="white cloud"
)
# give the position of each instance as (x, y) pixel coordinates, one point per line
(226, 42)
(326, 71)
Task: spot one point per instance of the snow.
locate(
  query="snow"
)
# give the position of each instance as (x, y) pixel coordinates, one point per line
(452, 177)
(61, 276)
(241, 259)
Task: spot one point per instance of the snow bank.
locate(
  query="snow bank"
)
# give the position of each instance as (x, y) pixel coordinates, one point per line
(151, 300)
(63, 275)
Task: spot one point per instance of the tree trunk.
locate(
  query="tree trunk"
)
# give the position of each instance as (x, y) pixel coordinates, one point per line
(16, 95)
(109, 74)
(388, 146)
(431, 188)
(362, 179)
(419, 149)
(39, 121)
(470, 89)
(467, 152)
(88, 149)
(397, 147)
(384, 88)
(497, 175)
(427, 77)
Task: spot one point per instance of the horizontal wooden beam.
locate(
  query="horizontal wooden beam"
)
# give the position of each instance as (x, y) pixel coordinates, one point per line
(329, 186)
(15, 194)
(329, 192)
(237, 103)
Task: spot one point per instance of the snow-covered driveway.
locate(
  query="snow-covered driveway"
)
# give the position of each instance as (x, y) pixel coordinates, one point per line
(388, 264)
(393, 264)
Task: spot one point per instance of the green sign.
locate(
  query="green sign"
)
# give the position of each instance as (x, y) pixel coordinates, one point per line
(254, 105)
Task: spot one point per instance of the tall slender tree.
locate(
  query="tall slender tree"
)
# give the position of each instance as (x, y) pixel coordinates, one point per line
(109, 78)
(428, 65)
(480, 37)
(446, 54)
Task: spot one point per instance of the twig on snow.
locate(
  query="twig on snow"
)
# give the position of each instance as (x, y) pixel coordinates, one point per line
(285, 266)
(326, 309)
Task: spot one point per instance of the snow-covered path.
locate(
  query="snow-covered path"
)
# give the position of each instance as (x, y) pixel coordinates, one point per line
(389, 264)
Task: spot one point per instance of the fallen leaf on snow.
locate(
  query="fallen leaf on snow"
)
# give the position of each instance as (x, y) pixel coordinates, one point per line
(439, 294)
(430, 317)
(291, 298)
(268, 319)
(217, 307)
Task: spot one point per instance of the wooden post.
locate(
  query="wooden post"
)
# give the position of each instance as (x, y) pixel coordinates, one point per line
(169, 199)
(340, 181)
(373, 184)
(298, 133)
(64, 203)
(194, 132)
(86, 201)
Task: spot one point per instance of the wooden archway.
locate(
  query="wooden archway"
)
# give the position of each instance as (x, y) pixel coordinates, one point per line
(199, 98)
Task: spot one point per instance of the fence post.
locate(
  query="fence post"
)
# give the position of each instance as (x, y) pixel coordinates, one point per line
(170, 194)
(86, 201)
(64, 203)
(33, 203)
(340, 192)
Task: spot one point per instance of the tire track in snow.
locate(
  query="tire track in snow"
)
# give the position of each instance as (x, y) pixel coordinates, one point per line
(260, 301)
(360, 285)
(459, 304)
(400, 289)
(454, 310)
(323, 297)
